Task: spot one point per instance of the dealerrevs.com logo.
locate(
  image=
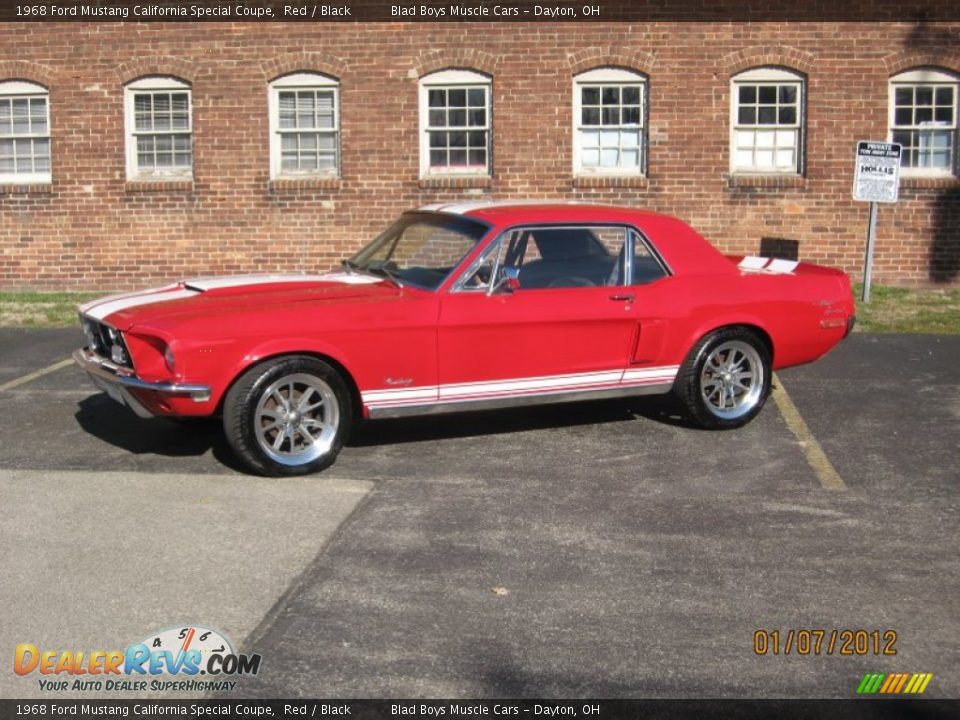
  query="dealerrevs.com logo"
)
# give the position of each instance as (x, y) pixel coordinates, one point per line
(170, 660)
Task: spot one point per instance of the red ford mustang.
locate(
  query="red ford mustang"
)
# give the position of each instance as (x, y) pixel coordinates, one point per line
(467, 306)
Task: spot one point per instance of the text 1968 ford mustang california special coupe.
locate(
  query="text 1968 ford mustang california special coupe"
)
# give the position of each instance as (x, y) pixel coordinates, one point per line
(467, 306)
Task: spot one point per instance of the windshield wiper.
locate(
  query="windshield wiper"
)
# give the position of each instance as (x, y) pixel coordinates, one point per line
(381, 269)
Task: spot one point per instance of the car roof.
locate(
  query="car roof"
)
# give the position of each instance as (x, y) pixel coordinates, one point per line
(684, 250)
(498, 212)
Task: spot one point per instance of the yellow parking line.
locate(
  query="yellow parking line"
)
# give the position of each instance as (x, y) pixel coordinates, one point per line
(35, 374)
(817, 459)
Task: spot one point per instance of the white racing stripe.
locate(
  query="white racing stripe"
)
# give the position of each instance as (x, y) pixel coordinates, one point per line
(101, 309)
(545, 385)
(775, 266)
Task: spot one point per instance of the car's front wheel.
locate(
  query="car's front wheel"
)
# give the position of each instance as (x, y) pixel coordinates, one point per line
(725, 379)
(288, 416)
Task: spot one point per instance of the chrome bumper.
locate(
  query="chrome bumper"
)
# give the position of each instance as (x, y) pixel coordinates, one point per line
(117, 382)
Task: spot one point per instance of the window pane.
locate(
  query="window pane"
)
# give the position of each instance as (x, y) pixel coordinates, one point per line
(591, 116)
(767, 115)
(590, 96)
(591, 158)
(6, 164)
(438, 139)
(609, 157)
(457, 97)
(744, 158)
(765, 139)
(785, 158)
(923, 115)
(477, 139)
(475, 96)
(748, 94)
(21, 116)
(437, 118)
(611, 116)
(478, 117)
(903, 116)
(944, 114)
(325, 119)
(764, 159)
(327, 141)
(161, 102)
(903, 96)
(630, 159)
(589, 139)
(458, 139)
(458, 157)
(609, 138)
(438, 158)
(611, 95)
(924, 96)
(767, 93)
(788, 115)
(788, 94)
(631, 96)
(478, 157)
(437, 98)
(631, 116)
(629, 139)
(747, 116)
(944, 96)
(458, 118)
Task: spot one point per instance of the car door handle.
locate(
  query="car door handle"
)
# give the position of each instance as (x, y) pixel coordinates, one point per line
(622, 298)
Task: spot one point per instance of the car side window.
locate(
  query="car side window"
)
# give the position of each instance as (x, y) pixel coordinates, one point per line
(645, 266)
(554, 257)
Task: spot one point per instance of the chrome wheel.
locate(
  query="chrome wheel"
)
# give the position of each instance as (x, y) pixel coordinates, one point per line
(732, 379)
(296, 419)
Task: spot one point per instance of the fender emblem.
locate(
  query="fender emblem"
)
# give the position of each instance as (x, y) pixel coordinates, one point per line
(398, 381)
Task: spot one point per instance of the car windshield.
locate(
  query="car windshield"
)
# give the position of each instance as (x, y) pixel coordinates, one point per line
(419, 249)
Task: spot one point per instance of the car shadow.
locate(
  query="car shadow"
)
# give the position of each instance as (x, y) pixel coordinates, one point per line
(661, 409)
(119, 426)
(102, 418)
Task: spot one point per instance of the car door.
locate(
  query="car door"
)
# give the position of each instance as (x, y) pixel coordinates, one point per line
(566, 326)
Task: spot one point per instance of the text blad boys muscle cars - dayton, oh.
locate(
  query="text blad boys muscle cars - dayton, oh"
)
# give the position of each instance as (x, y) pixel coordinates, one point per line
(467, 306)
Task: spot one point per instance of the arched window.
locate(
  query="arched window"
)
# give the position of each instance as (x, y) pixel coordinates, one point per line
(609, 122)
(455, 123)
(304, 126)
(24, 132)
(923, 119)
(159, 129)
(767, 121)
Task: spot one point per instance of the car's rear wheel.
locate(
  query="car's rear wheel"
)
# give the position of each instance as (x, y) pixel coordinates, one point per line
(288, 416)
(725, 379)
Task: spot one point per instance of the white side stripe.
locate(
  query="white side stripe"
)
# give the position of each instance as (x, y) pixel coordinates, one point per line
(546, 385)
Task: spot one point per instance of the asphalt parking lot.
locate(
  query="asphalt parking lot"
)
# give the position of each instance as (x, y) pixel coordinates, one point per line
(593, 550)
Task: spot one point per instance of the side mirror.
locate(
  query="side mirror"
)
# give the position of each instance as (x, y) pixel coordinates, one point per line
(508, 281)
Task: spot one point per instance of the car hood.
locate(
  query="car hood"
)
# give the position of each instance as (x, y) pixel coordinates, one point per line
(220, 295)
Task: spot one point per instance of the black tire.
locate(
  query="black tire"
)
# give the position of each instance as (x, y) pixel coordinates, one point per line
(270, 390)
(702, 394)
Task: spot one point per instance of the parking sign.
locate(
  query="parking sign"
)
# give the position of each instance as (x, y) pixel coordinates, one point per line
(877, 176)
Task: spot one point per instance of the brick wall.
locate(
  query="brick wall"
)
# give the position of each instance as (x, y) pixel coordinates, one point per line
(92, 229)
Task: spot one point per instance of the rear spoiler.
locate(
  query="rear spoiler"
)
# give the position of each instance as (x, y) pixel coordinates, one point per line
(755, 264)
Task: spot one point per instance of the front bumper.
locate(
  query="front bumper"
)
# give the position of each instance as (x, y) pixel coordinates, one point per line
(122, 385)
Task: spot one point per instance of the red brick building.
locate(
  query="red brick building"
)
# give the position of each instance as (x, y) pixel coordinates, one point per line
(136, 153)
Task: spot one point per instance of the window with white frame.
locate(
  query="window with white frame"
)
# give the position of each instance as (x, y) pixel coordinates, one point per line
(609, 111)
(455, 123)
(923, 119)
(24, 132)
(767, 114)
(304, 126)
(159, 129)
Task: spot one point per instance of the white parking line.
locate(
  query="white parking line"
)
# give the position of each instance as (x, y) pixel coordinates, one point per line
(817, 459)
(35, 374)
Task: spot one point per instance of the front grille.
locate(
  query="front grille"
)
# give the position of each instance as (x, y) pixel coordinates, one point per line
(102, 338)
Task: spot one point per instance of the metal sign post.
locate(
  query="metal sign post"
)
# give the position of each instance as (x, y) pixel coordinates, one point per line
(876, 180)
